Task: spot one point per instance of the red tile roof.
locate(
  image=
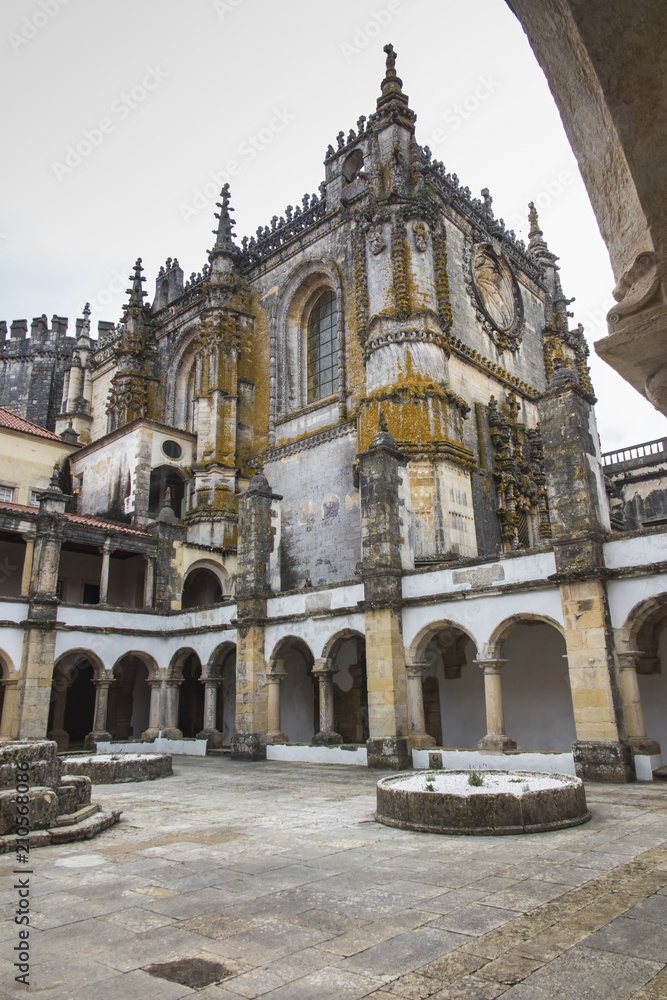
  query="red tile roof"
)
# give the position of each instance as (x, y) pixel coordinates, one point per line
(15, 423)
(94, 522)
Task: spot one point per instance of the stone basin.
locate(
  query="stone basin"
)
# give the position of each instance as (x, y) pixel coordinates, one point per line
(507, 802)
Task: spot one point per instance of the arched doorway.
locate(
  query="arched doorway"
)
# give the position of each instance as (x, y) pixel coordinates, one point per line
(452, 686)
(537, 699)
(6, 686)
(299, 704)
(130, 697)
(648, 636)
(222, 667)
(191, 697)
(346, 654)
(202, 587)
(72, 707)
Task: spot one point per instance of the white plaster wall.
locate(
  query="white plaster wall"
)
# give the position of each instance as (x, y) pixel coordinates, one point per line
(638, 551)
(462, 707)
(481, 616)
(11, 639)
(457, 760)
(308, 420)
(625, 595)
(520, 569)
(315, 632)
(297, 699)
(317, 755)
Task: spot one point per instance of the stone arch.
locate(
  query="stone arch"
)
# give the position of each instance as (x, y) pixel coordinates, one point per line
(129, 695)
(536, 693)
(420, 642)
(345, 655)
(452, 687)
(191, 696)
(205, 582)
(221, 666)
(298, 692)
(289, 363)
(645, 632)
(165, 478)
(7, 674)
(179, 377)
(72, 707)
(175, 668)
(494, 646)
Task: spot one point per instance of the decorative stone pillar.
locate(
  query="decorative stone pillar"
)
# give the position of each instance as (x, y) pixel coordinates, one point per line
(495, 740)
(209, 733)
(381, 471)
(580, 524)
(26, 576)
(149, 581)
(58, 733)
(419, 738)
(327, 735)
(274, 678)
(171, 730)
(99, 732)
(256, 541)
(104, 574)
(632, 705)
(153, 730)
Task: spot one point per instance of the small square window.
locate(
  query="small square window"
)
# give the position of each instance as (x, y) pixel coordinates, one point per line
(6, 494)
(34, 498)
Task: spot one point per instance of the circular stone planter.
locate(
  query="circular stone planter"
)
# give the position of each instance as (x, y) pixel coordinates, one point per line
(507, 802)
(110, 769)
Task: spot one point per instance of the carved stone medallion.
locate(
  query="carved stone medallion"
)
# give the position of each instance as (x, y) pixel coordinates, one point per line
(495, 294)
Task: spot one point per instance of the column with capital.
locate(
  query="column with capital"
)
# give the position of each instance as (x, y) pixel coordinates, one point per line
(99, 733)
(274, 679)
(419, 738)
(9, 720)
(171, 730)
(632, 704)
(104, 574)
(61, 683)
(149, 581)
(209, 733)
(496, 738)
(327, 735)
(153, 730)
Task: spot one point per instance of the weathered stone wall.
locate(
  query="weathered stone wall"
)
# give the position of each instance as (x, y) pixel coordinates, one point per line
(320, 510)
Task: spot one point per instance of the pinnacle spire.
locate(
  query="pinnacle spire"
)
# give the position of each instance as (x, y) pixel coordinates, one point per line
(83, 331)
(224, 236)
(136, 292)
(537, 246)
(392, 102)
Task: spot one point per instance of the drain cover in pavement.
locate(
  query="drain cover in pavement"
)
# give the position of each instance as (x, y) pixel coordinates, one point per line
(193, 972)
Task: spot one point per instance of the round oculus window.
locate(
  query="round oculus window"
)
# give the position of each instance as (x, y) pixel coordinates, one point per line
(172, 449)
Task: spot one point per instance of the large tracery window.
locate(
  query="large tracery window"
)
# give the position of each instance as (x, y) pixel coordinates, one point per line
(322, 348)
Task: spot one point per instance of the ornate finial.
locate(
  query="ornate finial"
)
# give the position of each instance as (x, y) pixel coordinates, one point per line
(391, 60)
(537, 246)
(488, 202)
(393, 103)
(55, 478)
(136, 292)
(224, 235)
(382, 420)
(84, 331)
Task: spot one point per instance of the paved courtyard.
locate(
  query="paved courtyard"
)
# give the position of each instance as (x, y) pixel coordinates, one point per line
(278, 881)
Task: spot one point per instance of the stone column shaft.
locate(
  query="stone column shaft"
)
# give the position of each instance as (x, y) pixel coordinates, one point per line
(327, 735)
(209, 733)
(26, 576)
(99, 733)
(419, 738)
(9, 720)
(104, 574)
(274, 732)
(149, 582)
(58, 732)
(154, 711)
(496, 738)
(171, 730)
(632, 704)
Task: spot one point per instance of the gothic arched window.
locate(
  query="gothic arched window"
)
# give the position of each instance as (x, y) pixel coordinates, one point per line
(322, 348)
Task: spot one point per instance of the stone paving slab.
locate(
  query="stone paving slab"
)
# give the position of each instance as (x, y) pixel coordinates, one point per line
(279, 872)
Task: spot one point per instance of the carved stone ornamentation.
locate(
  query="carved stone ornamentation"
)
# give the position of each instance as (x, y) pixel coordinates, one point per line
(375, 239)
(420, 235)
(494, 292)
(518, 460)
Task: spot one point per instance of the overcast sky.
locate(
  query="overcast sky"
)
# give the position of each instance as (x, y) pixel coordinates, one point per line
(123, 117)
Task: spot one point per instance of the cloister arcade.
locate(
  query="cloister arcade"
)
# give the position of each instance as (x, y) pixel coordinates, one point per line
(508, 688)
